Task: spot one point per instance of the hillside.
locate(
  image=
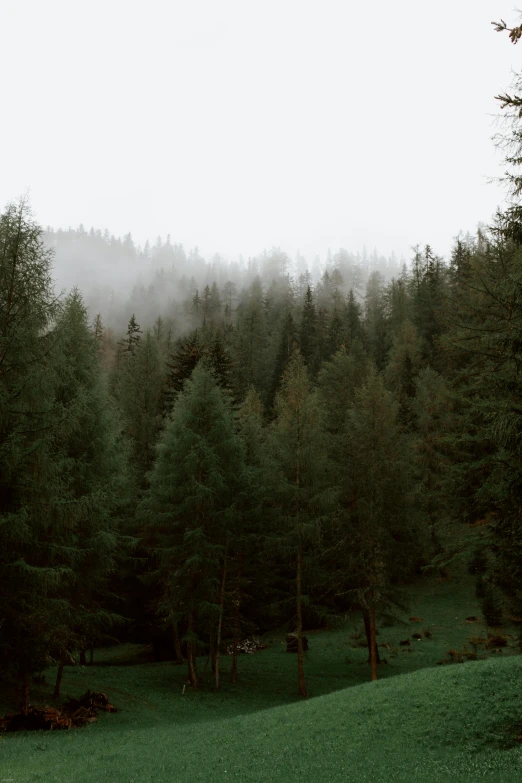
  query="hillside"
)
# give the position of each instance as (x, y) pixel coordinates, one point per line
(411, 725)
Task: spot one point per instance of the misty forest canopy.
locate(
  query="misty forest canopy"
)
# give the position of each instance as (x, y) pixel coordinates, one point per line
(117, 277)
(258, 445)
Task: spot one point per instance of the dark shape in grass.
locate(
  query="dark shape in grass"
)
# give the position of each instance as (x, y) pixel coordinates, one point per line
(417, 636)
(405, 643)
(459, 656)
(497, 641)
(291, 643)
(75, 712)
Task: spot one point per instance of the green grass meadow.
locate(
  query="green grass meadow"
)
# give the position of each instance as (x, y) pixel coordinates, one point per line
(420, 722)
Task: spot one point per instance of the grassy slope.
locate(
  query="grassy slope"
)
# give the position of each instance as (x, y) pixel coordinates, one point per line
(422, 725)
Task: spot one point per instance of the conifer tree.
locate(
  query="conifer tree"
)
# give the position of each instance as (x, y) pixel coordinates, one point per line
(34, 571)
(93, 460)
(190, 511)
(301, 488)
(248, 572)
(353, 318)
(307, 329)
(434, 429)
(286, 343)
(140, 392)
(403, 367)
(250, 341)
(379, 493)
(132, 336)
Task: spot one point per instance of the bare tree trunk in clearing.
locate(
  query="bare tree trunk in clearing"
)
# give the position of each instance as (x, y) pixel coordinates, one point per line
(26, 682)
(58, 684)
(233, 674)
(366, 618)
(191, 655)
(371, 612)
(220, 620)
(177, 644)
(91, 654)
(83, 661)
(212, 652)
(300, 660)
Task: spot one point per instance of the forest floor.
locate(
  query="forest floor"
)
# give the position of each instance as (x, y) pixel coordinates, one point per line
(420, 722)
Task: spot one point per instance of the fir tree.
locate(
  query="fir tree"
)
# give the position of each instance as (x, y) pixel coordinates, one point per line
(379, 495)
(300, 483)
(189, 509)
(307, 329)
(34, 569)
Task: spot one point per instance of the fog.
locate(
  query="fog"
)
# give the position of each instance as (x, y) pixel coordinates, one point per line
(235, 128)
(118, 278)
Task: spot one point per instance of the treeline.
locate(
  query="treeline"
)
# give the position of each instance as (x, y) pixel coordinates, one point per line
(117, 277)
(300, 452)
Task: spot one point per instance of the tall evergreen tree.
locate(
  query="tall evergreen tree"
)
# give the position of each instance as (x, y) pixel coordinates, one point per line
(307, 329)
(93, 460)
(190, 511)
(380, 497)
(302, 492)
(34, 570)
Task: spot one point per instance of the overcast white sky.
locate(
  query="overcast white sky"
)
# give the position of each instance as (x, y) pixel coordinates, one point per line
(238, 125)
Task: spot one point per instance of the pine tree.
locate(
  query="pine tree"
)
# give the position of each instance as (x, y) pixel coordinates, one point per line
(34, 570)
(249, 580)
(132, 337)
(250, 341)
(301, 486)
(353, 318)
(379, 495)
(93, 461)
(307, 329)
(286, 343)
(140, 392)
(189, 509)
(403, 367)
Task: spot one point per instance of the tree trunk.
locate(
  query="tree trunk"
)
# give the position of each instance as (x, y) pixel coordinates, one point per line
(83, 661)
(233, 674)
(58, 684)
(212, 652)
(373, 644)
(220, 620)
(177, 644)
(26, 682)
(91, 654)
(300, 659)
(366, 618)
(191, 654)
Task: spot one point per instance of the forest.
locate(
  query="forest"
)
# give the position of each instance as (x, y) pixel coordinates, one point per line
(194, 452)
(298, 451)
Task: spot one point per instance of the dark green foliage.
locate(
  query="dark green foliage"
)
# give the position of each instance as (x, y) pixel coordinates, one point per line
(189, 511)
(286, 343)
(308, 330)
(132, 337)
(62, 472)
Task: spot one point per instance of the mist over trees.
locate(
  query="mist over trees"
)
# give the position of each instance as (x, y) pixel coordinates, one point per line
(195, 451)
(264, 450)
(118, 278)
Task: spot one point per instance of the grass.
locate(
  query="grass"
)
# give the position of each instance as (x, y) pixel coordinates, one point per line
(419, 722)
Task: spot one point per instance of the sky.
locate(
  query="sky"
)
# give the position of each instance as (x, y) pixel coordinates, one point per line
(238, 125)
